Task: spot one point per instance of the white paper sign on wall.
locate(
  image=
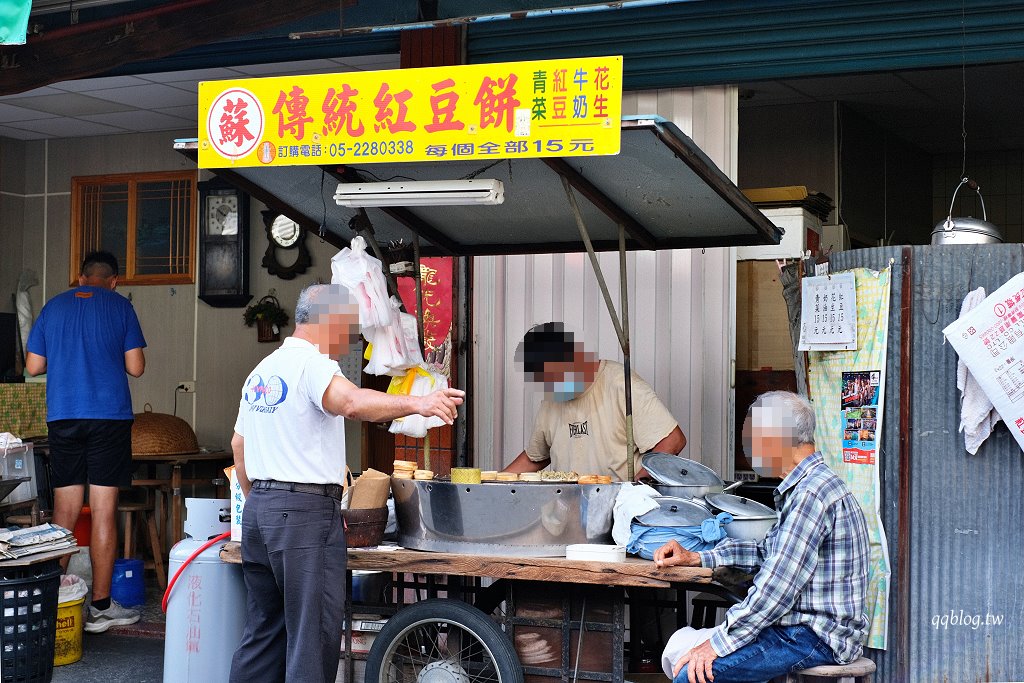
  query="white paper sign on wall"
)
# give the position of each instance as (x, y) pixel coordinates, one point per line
(828, 313)
(990, 340)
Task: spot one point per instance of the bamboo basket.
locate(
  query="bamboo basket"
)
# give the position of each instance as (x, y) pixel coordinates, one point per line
(162, 434)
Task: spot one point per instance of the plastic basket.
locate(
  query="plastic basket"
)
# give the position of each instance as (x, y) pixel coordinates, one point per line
(28, 622)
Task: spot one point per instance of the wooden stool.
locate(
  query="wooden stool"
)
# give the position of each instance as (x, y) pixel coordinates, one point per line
(705, 610)
(860, 671)
(140, 517)
(32, 519)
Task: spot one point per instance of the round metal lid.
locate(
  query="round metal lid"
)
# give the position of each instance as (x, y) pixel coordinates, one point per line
(738, 506)
(676, 471)
(675, 512)
(968, 224)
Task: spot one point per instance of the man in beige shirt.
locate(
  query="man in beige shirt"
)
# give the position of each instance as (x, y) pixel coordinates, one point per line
(581, 424)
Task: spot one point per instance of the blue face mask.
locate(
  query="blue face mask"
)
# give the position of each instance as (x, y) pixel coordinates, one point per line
(567, 390)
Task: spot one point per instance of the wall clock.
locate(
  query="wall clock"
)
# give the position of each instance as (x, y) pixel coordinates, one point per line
(223, 245)
(286, 254)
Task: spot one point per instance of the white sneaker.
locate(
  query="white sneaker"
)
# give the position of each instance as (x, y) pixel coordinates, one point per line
(115, 615)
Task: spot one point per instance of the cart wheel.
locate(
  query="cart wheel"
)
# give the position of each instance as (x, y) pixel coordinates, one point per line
(442, 641)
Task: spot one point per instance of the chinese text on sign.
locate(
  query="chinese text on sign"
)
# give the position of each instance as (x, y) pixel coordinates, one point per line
(551, 108)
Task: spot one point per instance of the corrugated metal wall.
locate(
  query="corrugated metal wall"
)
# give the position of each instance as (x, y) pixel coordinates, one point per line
(681, 311)
(965, 527)
(890, 444)
(731, 41)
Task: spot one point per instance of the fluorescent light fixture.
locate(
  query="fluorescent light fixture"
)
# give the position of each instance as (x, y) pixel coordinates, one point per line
(421, 193)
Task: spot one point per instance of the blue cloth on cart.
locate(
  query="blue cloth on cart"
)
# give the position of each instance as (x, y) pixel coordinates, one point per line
(646, 539)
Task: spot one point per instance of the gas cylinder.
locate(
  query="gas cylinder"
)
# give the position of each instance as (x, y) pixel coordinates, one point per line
(206, 607)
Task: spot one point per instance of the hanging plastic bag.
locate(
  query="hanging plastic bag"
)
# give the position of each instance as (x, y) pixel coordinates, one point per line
(363, 276)
(395, 347)
(424, 382)
(645, 540)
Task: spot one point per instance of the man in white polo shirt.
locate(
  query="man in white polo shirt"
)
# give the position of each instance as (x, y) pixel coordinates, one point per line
(289, 447)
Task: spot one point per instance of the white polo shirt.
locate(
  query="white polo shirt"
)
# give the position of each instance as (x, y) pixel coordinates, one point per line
(289, 436)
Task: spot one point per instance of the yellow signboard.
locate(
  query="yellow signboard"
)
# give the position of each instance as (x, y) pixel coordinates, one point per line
(550, 108)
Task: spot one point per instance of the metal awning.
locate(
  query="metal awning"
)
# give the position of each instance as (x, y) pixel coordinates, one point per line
(661, 187)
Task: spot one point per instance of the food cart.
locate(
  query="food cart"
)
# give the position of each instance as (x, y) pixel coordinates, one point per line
(646, 185)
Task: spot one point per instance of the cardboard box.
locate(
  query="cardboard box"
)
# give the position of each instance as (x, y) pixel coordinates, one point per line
(358, 677)
(762, 319)
(364, 632)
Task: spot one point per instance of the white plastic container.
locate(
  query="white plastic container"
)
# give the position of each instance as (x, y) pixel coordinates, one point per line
(19, 461)
(237, 505)
(596, 552)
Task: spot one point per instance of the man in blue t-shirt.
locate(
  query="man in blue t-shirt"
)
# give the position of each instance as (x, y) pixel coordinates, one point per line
(88, 340)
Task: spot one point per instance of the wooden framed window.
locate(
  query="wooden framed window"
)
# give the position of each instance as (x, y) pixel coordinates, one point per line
(146, 220)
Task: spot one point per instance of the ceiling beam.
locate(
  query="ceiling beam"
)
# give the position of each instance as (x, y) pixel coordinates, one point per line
(271, 201)
(96, 47)
(616, 213)
(442, 244)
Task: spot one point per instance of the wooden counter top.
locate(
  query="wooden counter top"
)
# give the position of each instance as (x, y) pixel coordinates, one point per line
(632, 572)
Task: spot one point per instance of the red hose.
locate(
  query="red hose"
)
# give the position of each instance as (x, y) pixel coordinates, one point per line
(170, 585)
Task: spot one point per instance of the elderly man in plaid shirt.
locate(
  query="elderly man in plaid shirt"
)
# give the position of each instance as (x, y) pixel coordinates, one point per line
(806, 607)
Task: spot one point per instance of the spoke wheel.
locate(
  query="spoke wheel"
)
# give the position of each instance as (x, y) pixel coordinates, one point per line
(442, 641)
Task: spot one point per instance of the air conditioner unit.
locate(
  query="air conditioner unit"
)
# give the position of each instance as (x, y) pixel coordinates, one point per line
(421, 193)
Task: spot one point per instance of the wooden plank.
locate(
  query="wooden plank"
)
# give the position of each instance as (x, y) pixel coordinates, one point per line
(38, 558)
(632, 572)
(95, 47)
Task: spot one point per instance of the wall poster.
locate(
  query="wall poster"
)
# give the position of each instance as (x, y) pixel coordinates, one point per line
(859, 403)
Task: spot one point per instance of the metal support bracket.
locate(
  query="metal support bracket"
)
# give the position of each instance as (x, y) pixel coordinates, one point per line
(621, 325)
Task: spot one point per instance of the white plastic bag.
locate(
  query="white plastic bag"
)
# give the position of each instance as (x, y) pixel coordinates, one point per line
(71, 588)
(395, 347)
(362, 275)
(416, 426)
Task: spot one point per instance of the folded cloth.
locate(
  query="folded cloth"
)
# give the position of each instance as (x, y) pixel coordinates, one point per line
(681, 642)
(978, 417)
(631, 501)
(645, 540)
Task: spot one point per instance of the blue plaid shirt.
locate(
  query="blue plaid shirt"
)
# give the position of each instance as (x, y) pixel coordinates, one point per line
(814, 566)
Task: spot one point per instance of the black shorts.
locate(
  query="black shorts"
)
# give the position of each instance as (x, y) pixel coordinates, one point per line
(95, 452)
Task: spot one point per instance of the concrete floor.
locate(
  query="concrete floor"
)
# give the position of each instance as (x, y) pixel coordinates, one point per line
(112, 658)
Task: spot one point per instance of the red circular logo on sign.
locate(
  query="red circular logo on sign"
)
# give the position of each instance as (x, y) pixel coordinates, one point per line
(235, 123)
(267, 152)
(1000, 310)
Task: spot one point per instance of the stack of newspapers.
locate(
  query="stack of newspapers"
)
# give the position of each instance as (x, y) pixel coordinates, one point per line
(37, 539)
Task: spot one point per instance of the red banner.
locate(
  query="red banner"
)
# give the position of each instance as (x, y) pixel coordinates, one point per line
(436, 277)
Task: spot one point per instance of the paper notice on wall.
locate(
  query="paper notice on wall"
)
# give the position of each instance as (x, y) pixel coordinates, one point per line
(828, 315)
(990, 340)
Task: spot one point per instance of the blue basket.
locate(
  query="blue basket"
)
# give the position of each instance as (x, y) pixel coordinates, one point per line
(126, 586)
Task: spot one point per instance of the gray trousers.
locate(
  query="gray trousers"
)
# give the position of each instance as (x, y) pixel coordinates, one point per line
(293, 561)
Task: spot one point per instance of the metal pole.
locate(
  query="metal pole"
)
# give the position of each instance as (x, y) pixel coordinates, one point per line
(419, 294)
(418, 277)
(624, 308)
(621, 329)
(581, 226)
